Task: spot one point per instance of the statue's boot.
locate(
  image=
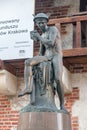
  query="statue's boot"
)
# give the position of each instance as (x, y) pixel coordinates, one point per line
(63, 109)
(24, 92)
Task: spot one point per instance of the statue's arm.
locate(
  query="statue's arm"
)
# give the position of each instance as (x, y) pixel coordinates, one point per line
(50, 41)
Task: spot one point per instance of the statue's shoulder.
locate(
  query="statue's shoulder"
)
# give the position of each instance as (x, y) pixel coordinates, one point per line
(54, 29)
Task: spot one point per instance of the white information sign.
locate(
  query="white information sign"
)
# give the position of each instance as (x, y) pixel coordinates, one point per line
(16, 22)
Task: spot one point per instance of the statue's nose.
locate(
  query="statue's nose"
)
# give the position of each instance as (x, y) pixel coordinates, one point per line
(41, 24)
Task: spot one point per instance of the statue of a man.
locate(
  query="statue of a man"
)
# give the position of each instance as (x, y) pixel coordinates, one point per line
(50, 49)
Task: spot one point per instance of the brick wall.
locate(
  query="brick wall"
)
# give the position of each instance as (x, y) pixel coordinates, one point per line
(78, 68)
(70, 100)
(8, 117)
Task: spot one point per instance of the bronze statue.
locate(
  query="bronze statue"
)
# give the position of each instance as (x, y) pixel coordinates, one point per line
(46, 68)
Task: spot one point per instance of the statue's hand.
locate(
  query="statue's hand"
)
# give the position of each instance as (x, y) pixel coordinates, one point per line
(36, 35)
(49, 58)
(27, 61)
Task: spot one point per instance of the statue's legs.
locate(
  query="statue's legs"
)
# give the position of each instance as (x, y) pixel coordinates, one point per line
(27, 80)
(58, 69)
(28, 73)
(42, 78)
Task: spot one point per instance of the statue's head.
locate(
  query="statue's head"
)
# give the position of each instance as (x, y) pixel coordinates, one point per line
(42, 16)
(41, 20)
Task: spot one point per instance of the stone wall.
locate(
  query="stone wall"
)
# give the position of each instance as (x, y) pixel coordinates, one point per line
(79, 108)
(67, 38)
(10, 107)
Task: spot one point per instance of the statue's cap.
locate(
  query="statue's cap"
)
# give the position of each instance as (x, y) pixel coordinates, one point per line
(41, 15)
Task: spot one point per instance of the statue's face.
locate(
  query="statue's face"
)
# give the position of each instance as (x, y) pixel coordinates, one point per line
(41, 23)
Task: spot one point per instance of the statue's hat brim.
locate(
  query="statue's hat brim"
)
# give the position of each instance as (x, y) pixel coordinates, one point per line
(41, 15)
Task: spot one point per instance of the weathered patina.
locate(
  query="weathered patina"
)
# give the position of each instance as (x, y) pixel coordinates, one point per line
(43, 73)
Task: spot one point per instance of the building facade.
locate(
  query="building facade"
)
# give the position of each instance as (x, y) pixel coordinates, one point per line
(71, 18)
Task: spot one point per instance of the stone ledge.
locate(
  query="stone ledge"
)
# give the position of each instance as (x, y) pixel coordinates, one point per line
(66, 79)
(8, 83)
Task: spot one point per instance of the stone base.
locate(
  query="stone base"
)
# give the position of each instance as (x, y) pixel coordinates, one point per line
(44, 121)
